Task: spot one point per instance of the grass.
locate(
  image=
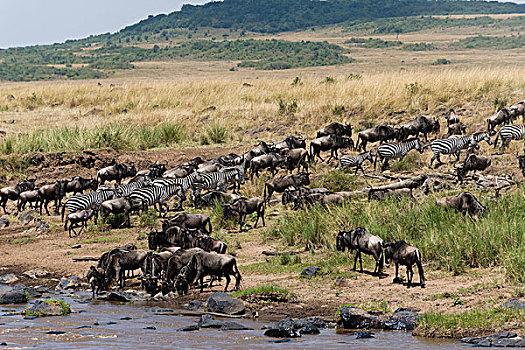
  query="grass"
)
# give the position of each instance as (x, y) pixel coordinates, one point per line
(101, 240)
(26, 240)
(478, 322)
(65, 308)
(276, 292)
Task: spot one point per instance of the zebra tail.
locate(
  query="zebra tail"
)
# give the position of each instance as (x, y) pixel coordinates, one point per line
(63, 210)
(496, 140)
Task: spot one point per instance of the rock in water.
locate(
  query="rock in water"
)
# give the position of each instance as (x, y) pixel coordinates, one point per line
(195, 305)
(42, 308)
(364, 335)
(72, 282)
(310, 271)
(282, 333)
(223, 303)
(36, 273)
(354, 318)
(16, 296)
(309, 329)
(208, 321)
(191, 328)
(8, 279)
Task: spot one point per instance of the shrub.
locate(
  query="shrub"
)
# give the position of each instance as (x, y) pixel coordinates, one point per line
(217, 132)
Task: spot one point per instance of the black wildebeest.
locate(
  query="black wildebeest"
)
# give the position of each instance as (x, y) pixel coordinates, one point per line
(244, 206)
(270, 160)
(463, 202)
(296, 158)
(173, 236)
(472, 163)
(419, 125)
(121, 261)
(186, 220)
(207, 264)
(503, 116)
(362, 241)
(282, 183)
(402, 253)
(79, 184)
(380, 133)
(336, 129)
(54, 192)
(117, 206)
(172, 268)
(78, 219)
(115, 172)
(329, 143)
(12, 193)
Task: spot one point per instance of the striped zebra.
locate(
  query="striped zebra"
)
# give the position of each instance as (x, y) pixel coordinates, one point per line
(185, 182)
(149, 196)
(509, 133)
(125, 190)
(356, 161)
(387, 151)
(84, 201)
(219, 180)
(454, 145)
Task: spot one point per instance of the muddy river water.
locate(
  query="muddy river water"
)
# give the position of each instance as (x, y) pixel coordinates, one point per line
(113, 325)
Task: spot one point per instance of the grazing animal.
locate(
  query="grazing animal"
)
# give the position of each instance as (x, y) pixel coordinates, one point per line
(157, 170)
(180, 171)
(121, 261)
(503, 116)
(472, 162)
(150, 196)
(210, 198)
(116, 206)
(115, 172)
(185, 182)
(419, 125)
(103, 261)
(79, 184)
(463, 202)
(264, 161)
(517, 110)
(521, 163)
(152, 269)
(509, 133)
(356, 161)
(86, 201)
(281, 183)
(452, 118)
(384, 193)
(380, 133)
(387, 151)
(456, 129)
(454, 145)
(206, 243)
(96, 279)
(312, 198)
(186, 220)
(12, 193)
(296, 159)
(219, 180)
(335, 129)
(244, 206)
(78, 219)
(139, 182)
(172, 268)
(173, 236)
(330, 143)
(402, 253)
(362, 241)
(207, 264)
(291, 142)
(54, 192)
(28, 197)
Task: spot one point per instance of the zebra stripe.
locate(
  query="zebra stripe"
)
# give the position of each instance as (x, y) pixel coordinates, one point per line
(387, 151)
(125, 190)
(148, 196)
(355, 161)
(509, 133)
(84, 201)
(184, 182)
(219, 180)
(454, 145)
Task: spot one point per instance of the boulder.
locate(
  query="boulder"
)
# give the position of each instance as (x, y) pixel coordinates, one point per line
(15, 296)
(310, 271)
(309, 329)
(28, 216)
(354, 318)
(36, 273)
(364, 335)
(4, 222)
(208, 321)
(73, 282)
(223, 303)
(234, 326)
(43, 308)
(120, 296)
(8, 279)
(195, 305)
(31, 291)
(193, 327)
(281, 332)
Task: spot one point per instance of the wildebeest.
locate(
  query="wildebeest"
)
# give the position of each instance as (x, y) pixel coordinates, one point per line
(152, 269)
(115, 172)
(78, 219)
(244, 206)
(157, 170)
(116, 206)
(186, 220)
(206, 243)
(296, 159)
(31, 197)
(362, 241)
(79, 184)
(517, 110)
(456, 129)
(96, 279)
(54, 192)
(103, 261)
(384, 193)
(472, 163)
(419, 125)
(503, 116)
(521, 163)
(402, 253)
(121, 261)
(463, 202)
(312, 198)
(210, 198)
(329, 143)
(336, 129)
(452, 118)
(380, 133)
(171, 237)
(281, 183)
(172, 268)
(270, 160)
(207, 264)
(180, 171)
(12, 193)
(291, 142)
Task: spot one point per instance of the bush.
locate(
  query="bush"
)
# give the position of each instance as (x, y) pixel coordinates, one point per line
(287, 107)
(217, 132)
(441, 61)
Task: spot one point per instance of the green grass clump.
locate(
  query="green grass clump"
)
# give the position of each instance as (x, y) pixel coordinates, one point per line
(65, 308)
(26, 240)
(149, 218)
(262, 290)
(101, 240)
(217, 133)
(337, 180)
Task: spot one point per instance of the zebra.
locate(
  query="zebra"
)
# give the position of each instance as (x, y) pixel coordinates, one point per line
(125, 190)
(185, 182)
(387, 151)
(356, 161)
(147, 196)
(219, 180)
(85, 201)
(454, 145)
(509, 133)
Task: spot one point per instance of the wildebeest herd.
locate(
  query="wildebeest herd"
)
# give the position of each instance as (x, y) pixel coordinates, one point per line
(186, 251)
